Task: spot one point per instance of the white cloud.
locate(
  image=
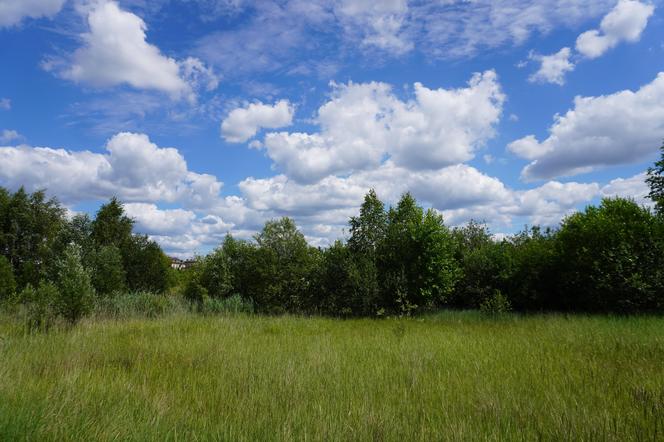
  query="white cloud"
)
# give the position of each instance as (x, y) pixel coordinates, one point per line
(242, 123)
(134, 169)
(364, 123)
(625, 22)
(115, 52)
(553, 67)
(12, 12)
(5, 104)
(154, 221)
(634, 187)
(7, 136)
(620, 128)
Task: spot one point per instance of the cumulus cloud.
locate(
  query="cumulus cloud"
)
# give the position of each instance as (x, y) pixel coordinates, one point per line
(12, 12)
(620, 128)
(625, 22)
(134, 169)
(553, 68)
(115, 51)
(634, 187)
(241, 124)
(5, 104)
(459, 192)
(154, 221)
(362, 124)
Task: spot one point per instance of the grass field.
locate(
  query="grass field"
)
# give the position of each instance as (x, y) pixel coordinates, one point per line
(451, 376)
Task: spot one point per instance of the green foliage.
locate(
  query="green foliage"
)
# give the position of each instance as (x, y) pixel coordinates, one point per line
(111, 226)
(612, 259)
(7, 282)
(416, 260)
(40, 306)
(108, 273)
(484, 265)
(284, 263)
(655, 181)
(215, 274)
(368, 230)
(194, 292)
(497, 303)
(29, 226)
(147, 267)
(345, 283)
(75, 288)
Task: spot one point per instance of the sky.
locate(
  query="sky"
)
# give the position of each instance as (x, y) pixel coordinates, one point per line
(213, 116)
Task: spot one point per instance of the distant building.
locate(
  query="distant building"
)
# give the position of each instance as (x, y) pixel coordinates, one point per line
(181, 264)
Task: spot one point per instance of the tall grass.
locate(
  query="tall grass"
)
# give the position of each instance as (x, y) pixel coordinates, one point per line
(452, 376)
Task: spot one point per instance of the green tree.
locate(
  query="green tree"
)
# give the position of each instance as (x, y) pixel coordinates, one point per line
(7, 282)
(655, 181)
(367, 235)
(369, 228)
(146, 265)
(342, 287)
(612, 259)
(29, 226)
(108, 274)
(75, 288)
(285, 262)
(111, 226)
(416, 260)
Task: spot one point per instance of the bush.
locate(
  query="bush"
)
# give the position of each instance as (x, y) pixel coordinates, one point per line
(612, 259)
(496, 303)
(7, 282)
(40, 313)
(75, 291)
(108, 274)
(194, 292)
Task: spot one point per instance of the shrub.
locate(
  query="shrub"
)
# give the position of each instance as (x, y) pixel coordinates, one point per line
(496, 303)
(108, 274)
(612, 259)
(40, 313)
(75, 288)
(194, 292)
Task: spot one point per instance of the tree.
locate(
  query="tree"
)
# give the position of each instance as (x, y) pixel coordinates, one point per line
(7, 282)
(655, 181)
(416, 260)
(29, 226)
(108, 274)
(75, 290)
(111, 226)
(368, 229)
(368, 232)
(612, 259)
(146, 265)
(285, 262)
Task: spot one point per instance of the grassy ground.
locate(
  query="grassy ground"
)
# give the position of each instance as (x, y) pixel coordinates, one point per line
(452, 376)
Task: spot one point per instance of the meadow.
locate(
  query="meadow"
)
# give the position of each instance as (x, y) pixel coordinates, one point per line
(446, 376)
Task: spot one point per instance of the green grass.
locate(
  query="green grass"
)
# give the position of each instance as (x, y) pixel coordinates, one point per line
(452, 376)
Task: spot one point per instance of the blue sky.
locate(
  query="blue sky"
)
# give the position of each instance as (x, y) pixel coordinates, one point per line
(212, 116)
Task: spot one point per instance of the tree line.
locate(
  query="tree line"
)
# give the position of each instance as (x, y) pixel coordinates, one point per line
(396, 260)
